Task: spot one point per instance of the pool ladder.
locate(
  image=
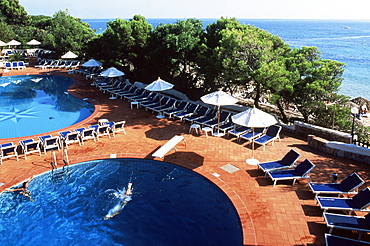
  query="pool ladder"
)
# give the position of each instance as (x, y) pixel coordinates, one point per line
(54, 162)
(61, 174)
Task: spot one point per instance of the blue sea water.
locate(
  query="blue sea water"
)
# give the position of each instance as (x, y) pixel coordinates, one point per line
(346, 41)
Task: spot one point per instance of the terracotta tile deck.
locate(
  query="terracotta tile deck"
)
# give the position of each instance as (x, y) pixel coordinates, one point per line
(281, 215)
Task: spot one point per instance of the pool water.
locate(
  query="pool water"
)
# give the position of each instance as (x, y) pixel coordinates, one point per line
(31, 104)
(170, 205)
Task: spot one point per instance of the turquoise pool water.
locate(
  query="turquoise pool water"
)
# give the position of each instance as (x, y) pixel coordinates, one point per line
(170, 205)
(31, 104)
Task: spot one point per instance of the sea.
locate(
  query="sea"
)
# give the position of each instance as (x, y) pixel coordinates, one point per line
(346, 41)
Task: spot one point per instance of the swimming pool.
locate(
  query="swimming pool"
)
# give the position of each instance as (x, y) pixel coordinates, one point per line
(34, 104)
(170, 205)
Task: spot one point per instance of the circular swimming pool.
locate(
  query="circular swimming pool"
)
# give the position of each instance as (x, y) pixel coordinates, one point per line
(34, 104)
(170, 205)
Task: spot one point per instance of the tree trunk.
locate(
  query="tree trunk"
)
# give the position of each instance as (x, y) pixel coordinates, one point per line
(282, 111)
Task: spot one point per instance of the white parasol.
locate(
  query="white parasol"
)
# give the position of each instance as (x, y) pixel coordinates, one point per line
(159, 85)
(13, 43)
(219, 98)
(69, 55)
(253, 118)
(111, 73)
(92, 63)
(33, 42)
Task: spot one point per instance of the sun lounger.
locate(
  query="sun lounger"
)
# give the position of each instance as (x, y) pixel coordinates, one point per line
(332, 240)
(288, 161)
(21, 65)
(213, 123)
(347, 222)
(180, 107)
(49, 142)
(117, 127)
(349, 185)
(272, 133)
(238, 131)
(8, 150)
(360, 202)
(301, 171)
(199, 112)
(8, 65)
(30, 146)
(226, 126)
(100, 130)
(69, 137)
(15, 65)
(149, 106)
(189, 111)
(168, 105)
(163, 150)
(86, 134)
(210, 115)
(252, 134)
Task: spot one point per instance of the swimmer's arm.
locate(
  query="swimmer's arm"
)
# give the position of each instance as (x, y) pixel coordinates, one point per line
(18, 189)
(129, 188)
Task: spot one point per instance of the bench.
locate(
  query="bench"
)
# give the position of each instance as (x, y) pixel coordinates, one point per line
(163, 150)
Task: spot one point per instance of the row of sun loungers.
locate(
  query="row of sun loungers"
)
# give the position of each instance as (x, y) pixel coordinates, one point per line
(49, 142)
(286, 169)
(187, 111)
(48, 64)
(15, 65)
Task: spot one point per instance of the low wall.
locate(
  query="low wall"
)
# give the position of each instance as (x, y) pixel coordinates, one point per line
(304, 129)
(340, 149)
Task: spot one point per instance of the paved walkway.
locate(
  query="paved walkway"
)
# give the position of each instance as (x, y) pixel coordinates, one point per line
(281, 215)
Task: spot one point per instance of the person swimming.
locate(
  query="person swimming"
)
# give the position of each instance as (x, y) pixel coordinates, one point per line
(24, 189)
(124, 197)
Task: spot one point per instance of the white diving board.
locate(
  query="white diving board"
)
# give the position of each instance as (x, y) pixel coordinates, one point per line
(163, 150)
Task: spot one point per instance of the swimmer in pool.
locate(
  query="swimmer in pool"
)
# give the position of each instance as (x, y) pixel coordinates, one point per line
(24, 189)
(124, 197)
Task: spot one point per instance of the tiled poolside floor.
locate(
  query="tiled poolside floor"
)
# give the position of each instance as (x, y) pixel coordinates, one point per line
(281, 215)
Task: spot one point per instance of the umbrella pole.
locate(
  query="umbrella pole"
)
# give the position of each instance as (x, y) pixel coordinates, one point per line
(160, 115)
(252, 161)
(252, 143)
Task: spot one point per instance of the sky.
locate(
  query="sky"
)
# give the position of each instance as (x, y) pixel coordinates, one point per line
(253, 9)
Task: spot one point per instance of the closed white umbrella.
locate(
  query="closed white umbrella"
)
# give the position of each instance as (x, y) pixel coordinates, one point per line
(219, 98)
(92, 63)
(253, 118)
(69, 55)
(159, 85)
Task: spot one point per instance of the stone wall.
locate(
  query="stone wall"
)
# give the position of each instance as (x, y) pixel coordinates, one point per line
(304, 130)
(344, 150)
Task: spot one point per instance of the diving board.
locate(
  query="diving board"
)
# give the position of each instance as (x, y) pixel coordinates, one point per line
(163, 150)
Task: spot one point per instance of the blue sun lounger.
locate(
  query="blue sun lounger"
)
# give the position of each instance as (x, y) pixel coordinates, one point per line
(288, 161)
(252, 134)
(116, 127)
(69, 137)
(332, 240)
(8, 150)
(30, 146)
(86, 134)
(272, 133)
(349, 185)
(301, 171)
(360, 202)
(347, 222)
(100, 130)
(238, 131)
(180, 107)
(189, 111)
(49, 142)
